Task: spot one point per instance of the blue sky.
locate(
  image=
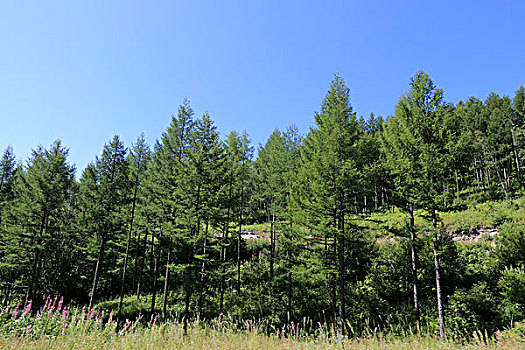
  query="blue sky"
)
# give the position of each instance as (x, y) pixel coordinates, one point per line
(83, 71)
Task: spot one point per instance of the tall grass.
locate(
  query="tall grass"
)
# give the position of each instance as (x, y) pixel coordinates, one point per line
(57, 327)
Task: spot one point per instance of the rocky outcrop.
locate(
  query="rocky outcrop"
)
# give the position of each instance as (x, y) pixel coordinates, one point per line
(475, 235)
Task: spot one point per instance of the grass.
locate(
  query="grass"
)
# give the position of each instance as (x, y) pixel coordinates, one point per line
(170, 336)
(56, 327)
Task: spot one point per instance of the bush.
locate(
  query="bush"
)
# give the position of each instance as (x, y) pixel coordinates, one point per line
(512, 288)
(473, 309)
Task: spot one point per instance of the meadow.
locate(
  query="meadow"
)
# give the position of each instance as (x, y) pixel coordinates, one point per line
(55, 326)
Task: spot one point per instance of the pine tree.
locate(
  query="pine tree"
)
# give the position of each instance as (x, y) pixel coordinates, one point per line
(138, 160)
(329, 175)
(41, 216)
(7, 172)
(106, 188)
(415, 141)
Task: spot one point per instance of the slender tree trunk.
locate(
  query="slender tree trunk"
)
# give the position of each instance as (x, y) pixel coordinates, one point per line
(34, 273)
(441, 316)
(97, 270)
(476, 172)
(333, 276)
(290, 273)
(457, 183)
(341, 268)
(223, 247)
(239, 235)
(135, 261)
(272, 248)
(123, 280)
(375, 197)
(203, 270)
(223, 260)
(155, 275)
(414, 264)
(187, 296)
(166, 281)
(516, 159)
(8, 288)
(141, 264)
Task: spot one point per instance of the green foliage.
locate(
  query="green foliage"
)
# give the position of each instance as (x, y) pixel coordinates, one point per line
(512, 289)
(474, 309)
(510, 245)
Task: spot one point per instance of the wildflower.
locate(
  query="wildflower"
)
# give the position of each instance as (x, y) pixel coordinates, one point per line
(65, 313)
(126, 325)
(154, 321)
(293, 327)
(220, 319)
(28, 307)
(60, 303)
(16, 310)
(91, 313)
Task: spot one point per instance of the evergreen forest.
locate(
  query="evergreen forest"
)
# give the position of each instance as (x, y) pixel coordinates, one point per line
(409, 221)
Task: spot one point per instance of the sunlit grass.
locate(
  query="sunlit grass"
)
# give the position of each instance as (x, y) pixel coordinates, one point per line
(170, 336)
(55, 327)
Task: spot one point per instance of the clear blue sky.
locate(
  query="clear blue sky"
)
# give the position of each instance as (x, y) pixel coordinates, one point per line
(82, 71)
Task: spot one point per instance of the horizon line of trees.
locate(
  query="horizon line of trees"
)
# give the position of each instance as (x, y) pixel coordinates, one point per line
(164, 223)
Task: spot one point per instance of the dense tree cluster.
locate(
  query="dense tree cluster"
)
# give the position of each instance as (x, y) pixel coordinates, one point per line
(164, 225)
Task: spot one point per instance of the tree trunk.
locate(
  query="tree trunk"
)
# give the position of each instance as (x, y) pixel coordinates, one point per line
(97, 271)
(341, 269)
(239, 235)
(457, 183)
(203, 269)
(414, 264)
(516, 159)
(166, 280)
(290, 273)
(155, 274)
(272, 248)
(333, 276)
(187, 297)
(141, 265)
(438, 279)
(135, 261)
(375, 197)
(224, 238)
(123, 280)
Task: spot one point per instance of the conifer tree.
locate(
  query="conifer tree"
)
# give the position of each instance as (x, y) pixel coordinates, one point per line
(106, 190)
(330, 174)
(7, 172)
(43, 194)
(139, 157)
(415, 141)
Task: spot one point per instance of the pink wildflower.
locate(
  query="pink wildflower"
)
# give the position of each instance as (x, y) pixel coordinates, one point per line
(220, 319)
(28, 307)
(60, 303)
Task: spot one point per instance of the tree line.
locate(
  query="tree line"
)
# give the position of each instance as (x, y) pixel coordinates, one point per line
(163, 224)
